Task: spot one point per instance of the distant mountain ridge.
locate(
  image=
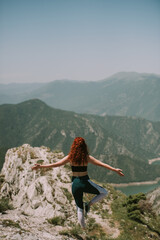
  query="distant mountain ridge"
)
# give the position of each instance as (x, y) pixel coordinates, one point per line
(123, 94)
(123, 142)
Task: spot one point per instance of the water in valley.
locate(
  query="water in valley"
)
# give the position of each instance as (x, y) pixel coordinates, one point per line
(128, 190)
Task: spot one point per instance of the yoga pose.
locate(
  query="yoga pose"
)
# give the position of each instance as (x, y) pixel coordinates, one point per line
(79, 158)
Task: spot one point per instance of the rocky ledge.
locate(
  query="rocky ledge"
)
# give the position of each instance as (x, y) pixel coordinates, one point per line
(42, 204)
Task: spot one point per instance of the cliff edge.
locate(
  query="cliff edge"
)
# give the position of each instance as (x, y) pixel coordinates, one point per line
(42, 204)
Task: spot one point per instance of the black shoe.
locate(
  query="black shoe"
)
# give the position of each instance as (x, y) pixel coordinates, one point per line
(87, 208)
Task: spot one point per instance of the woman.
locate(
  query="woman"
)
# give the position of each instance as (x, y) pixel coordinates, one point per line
(79, 158)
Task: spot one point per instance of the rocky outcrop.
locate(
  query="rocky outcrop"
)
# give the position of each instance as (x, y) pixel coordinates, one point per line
(41, 197)
(154, 198)
(35, 192)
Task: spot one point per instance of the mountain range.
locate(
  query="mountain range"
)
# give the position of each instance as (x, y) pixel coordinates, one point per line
(123, 142)
(123, 94)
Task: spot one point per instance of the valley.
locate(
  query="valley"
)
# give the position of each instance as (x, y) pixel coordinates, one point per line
(123, 142)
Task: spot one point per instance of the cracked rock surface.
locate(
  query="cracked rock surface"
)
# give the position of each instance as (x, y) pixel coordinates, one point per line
(38, 196)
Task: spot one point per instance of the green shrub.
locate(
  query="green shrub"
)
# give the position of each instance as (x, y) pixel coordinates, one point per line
(67, 194)
(135, 215)
(40, 161)
(10, 223)
(65, 233)
(133, 199)
(2, 179)
(92, 225)
(20, 168)
(132, 207)
(5, 205)
(58, 220)
(75, 231)
(33, 155)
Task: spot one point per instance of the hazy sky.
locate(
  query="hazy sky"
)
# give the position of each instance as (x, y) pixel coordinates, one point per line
(45, 40)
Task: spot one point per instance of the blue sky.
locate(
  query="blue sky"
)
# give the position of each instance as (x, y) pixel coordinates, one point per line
(46, 40)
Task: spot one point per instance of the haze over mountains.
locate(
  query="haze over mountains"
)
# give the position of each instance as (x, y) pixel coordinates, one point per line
(124, 142)
(123, 94)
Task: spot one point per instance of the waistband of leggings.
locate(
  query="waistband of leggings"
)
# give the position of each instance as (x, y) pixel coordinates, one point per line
(86, 177)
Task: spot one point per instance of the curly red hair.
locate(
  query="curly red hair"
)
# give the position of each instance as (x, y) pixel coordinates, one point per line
(78, 153)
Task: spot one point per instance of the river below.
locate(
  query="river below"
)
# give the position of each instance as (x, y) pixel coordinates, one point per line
(144, 188)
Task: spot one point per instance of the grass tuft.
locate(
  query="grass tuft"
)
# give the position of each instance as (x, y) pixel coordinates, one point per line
(57, 220)
(5, 205)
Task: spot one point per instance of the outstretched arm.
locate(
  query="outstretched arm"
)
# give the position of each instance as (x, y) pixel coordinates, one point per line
(63, 161)
(101, 164)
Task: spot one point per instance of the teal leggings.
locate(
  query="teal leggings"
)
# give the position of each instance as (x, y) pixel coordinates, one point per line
(82, 185)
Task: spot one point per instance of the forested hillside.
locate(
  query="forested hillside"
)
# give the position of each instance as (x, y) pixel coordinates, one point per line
(123, 142)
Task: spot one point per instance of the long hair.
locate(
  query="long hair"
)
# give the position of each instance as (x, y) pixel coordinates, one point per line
(78, 153)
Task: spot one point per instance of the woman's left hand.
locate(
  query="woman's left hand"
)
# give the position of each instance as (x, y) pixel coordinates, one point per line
(36, 166)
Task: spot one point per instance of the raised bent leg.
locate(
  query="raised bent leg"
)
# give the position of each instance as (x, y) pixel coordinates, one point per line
(101, 193)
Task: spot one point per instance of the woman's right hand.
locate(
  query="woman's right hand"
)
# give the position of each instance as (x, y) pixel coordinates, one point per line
(36, 166)
(119, 171)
